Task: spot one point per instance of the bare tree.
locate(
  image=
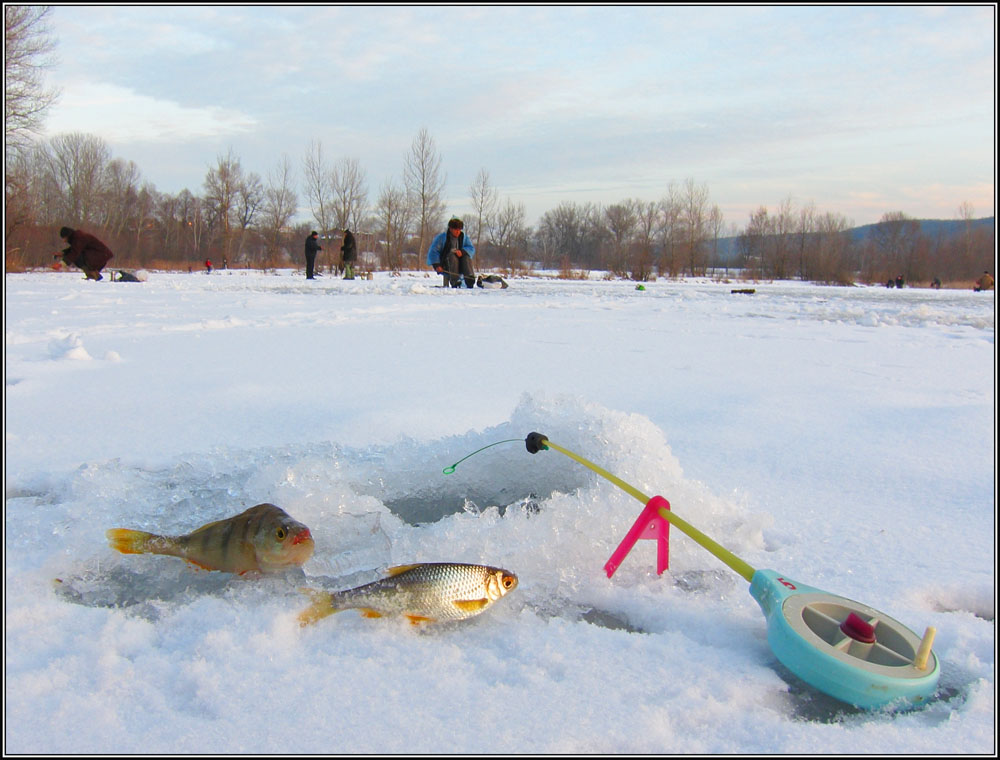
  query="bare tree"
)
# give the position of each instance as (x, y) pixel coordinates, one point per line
(169, 221)
(223, 185)
(27, 53)
(78, 164)
(621, 220)
(571, 235)
(508, 233)
(832, 262)
(694, 210)
(715, 222)
(752, 242)
(395, 217)
(424, 183)
(194, 214)
(648, 220)
(280, 203)
(671, 232)
(319, 188)
(350, 193)
(805, 234)
(895, 240)
(485, 199)
(122, 183)
(249, 200)
(782, 228)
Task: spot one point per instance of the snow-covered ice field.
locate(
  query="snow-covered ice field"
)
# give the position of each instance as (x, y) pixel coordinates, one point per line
(844, 436)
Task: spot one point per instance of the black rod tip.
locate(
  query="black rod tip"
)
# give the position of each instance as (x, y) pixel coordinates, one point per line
(535, 442)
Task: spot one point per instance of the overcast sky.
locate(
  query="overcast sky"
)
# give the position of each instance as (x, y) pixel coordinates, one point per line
(858, 110)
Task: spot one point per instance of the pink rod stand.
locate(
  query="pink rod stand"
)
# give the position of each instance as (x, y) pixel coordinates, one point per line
(649, 525)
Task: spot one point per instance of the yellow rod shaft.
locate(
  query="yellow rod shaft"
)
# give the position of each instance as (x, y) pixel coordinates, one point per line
(726, 556)
(631, 490)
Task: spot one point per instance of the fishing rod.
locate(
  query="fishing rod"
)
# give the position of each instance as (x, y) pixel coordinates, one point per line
(840, 647)
(828, 641)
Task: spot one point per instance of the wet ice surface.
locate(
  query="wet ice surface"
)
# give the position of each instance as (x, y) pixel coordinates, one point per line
(839, 435)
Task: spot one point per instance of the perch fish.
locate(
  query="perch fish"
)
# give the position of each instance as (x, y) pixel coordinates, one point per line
(422, 593)
(262, 539)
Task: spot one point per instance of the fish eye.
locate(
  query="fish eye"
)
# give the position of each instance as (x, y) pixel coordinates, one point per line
(281, 533)
(508, 582)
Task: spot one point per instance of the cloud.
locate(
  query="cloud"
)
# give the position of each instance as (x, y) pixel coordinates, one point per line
(119, 114)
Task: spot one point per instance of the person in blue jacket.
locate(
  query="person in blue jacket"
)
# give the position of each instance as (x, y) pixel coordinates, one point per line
(451, 255)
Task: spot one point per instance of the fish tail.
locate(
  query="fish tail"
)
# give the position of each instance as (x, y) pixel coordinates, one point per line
(130, 541)
(322, 606)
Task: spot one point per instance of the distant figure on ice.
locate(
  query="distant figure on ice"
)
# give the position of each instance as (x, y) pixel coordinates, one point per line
(208, 266)
(899, 280)
(85, 251)
(348, 254)
(936, 283)
(312, 248)
(984, 283)
(451, 255)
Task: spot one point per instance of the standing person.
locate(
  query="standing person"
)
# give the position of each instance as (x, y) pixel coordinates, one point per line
(85, 251)
(348, 254)
(312, 248)
(451, 255)
(208, 266)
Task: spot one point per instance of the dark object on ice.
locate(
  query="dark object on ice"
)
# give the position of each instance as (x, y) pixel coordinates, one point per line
(348, 254)
(312, 248)
(748, 291)
(984, 283)
(122, 276)
(491, 281)
(936, 283)
(899, 280)
(85, 251)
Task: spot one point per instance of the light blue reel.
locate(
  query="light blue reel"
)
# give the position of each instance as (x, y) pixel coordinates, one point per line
(844, 648)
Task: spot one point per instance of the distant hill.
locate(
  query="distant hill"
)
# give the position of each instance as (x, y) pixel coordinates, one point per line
(931, 228)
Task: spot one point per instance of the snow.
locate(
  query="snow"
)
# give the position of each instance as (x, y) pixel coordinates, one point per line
(844, 436)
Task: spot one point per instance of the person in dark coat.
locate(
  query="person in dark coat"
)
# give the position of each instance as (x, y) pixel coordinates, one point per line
(312, 248)
(85, 251)
(348, 254)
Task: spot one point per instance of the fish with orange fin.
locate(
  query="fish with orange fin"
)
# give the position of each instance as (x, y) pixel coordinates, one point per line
(262, 539)
(423, 593)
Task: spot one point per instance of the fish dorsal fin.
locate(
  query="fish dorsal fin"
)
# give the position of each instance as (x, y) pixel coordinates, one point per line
(264, 508)
(471, 605)
(392, 572)
(260, 509)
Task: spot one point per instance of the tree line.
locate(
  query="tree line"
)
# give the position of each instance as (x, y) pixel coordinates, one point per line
(241, 218)
(245, 219)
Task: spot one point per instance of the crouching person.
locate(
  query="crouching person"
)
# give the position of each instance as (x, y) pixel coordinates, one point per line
(85, 251)
(451, 255)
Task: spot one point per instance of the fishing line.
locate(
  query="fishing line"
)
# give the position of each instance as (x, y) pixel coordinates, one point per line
(451, 469)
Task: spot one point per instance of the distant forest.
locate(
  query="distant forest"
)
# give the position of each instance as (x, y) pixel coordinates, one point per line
(241, 219)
